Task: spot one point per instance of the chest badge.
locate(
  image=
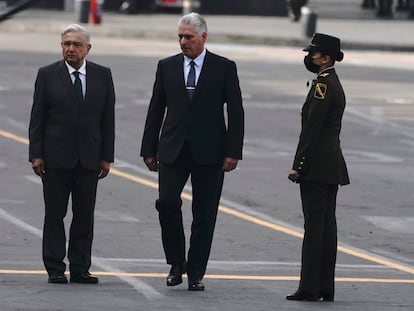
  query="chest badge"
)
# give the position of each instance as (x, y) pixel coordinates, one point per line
(320, 90)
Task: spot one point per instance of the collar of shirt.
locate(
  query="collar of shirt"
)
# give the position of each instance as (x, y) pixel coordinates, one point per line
(82, 69)
(82, 76)
(326, 69)
(199, 60)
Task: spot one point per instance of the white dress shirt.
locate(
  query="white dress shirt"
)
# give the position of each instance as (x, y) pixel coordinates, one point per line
(82, 75)
(199, 60)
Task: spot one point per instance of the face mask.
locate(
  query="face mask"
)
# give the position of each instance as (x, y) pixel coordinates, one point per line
(310, 65)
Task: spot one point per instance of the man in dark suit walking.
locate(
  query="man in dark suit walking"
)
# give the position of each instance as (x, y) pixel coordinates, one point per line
(71, 134)
(185, 134)
(319, 167)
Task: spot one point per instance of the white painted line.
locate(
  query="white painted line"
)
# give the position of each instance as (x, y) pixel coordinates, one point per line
(391, 254)
(7, 201)
(353, 251)
(17, 124)
(34, 179)
(20, 223)
(403, 224)
(142, 171)
(139, 285)
(129, 219)
(359, 116)
(360, 156)
(296, 231)
(112, 217)
(242, 264)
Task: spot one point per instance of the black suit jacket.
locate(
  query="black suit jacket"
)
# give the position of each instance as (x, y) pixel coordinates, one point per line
(63, 131)
(202, 121)
(319, 156)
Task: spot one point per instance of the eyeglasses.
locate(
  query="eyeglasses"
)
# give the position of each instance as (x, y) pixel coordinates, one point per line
(68, 44)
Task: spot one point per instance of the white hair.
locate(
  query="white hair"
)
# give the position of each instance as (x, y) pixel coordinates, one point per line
(195, 20)
(77, 28)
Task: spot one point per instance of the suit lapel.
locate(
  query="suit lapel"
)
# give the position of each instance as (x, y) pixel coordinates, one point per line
(90, 72)
(204, 74)
(67, 82)
(177, 75)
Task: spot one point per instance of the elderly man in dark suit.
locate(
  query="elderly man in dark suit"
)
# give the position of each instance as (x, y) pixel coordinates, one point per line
(71, 137)
(319, 167)
(185, 134)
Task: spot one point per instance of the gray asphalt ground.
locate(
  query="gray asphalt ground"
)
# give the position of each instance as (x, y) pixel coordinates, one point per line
(254, 262)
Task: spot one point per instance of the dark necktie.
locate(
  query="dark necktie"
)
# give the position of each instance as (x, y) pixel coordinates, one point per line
(78, 86)
(191, 80)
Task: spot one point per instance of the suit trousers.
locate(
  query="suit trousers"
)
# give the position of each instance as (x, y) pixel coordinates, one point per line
(320, 239)
(58, 185)
(207, 184)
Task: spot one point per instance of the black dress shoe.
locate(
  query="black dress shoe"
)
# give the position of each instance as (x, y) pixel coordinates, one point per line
(326, 296)
(302, 296)
(175, 276)
(85, 278)
(195, 285)
(58, 278)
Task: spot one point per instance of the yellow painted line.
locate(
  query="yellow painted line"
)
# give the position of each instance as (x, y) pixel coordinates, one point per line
(22, 272)
(374, 280)
(226, 210)
(377, 260)
(133, 178)
(220, 276)
(14, 137)
(240, 215)
(260, 222)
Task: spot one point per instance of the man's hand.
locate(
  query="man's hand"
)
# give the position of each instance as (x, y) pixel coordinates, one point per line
(229, 164)
(293, 175)
(151, 163)
(38, 166)
(105, 167)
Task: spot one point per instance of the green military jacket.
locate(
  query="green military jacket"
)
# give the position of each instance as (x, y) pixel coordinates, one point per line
(319, 156)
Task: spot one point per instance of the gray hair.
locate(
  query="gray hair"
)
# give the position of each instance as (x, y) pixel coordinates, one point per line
(77, 28)
(195, 20)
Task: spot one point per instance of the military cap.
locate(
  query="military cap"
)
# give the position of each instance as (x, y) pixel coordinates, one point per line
(327, 44)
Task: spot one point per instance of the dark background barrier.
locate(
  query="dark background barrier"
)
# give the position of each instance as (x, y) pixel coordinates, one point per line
(223, 7)
(244, 7)
(48, 4)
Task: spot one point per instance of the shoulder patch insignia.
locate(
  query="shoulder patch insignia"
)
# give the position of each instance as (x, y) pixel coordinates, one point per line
(320, 90)
(325, 74)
